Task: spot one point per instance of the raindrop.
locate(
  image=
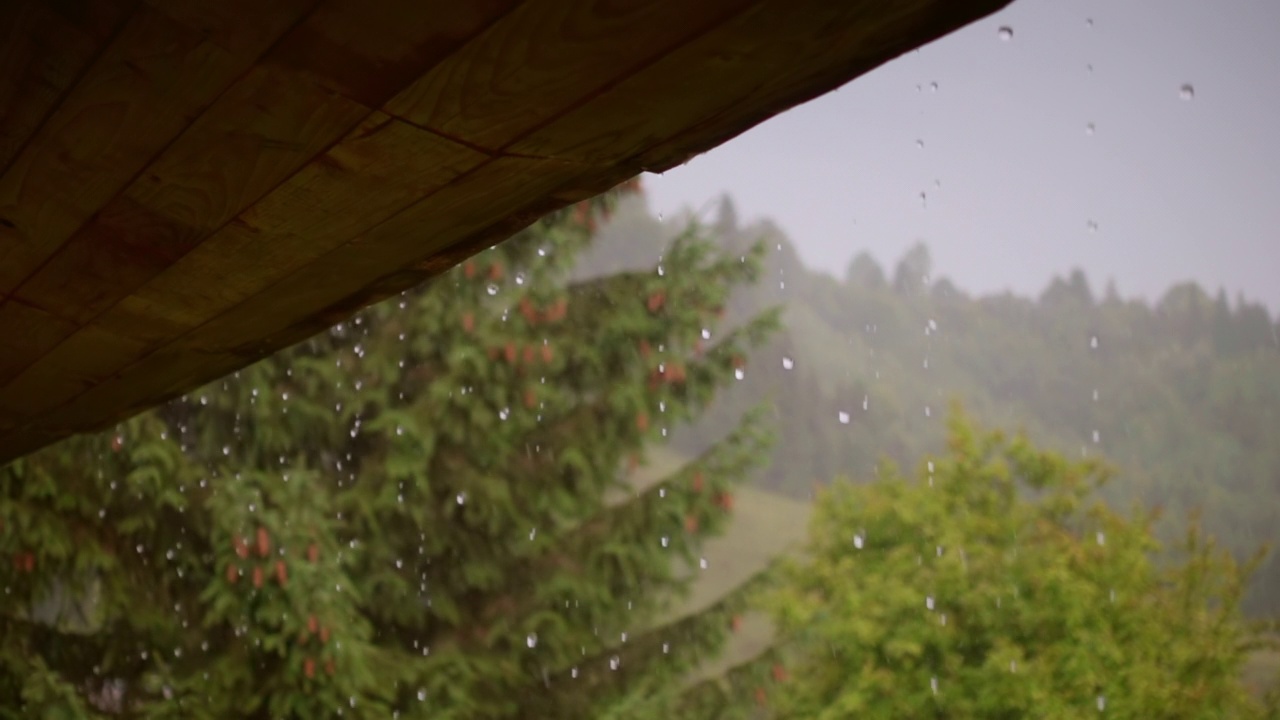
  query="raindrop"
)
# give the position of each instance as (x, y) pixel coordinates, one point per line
(844, 417)
(1102, 538)
(933, 87)
(706, 334)
(504, 413)
(1005, 33)
(422, 695)
(702, 563)
(929, 464)
(933, 685)
(1092, 226)
(739, 373)
(865, 400)
(1096, 437)
(665, 541)
(614, 662)
(920, 144)
(928, 602)
(787, 363)
(1089, 129)
(531, 640)
(1013, 666)
(1186, 92)
(492, 289)
(1093, 342)
(462, 498)
(858, 541)
(1102, 703)
(928, 411)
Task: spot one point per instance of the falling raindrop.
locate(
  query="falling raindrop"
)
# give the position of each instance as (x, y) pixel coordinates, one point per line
(858, 541)
(739, 373)
(844, 417)
(1186, 92)
(933, 685)
(614, 662)
(865, 402)
(1005, 33)
(1096, 437)
(1102, 703)
(1089, 129)
(462, 498)
(928, 602)
(1102, 538)
(702, 563)
(787, 363)
(1093, 342)
(928, 411)
(531, 640)
(492, 289)
(920, 144)
(422, 695)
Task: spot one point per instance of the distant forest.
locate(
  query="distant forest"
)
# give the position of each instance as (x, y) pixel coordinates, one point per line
(1181, 396)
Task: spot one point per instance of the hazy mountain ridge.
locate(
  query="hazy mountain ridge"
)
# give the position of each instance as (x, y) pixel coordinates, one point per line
(1183, 395)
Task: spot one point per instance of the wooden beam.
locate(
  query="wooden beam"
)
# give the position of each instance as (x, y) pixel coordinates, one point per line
(191, 185)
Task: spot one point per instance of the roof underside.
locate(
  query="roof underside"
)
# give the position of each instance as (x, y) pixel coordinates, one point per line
(189, 185)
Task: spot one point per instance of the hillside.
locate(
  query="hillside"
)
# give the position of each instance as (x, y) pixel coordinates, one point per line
(1182, 396)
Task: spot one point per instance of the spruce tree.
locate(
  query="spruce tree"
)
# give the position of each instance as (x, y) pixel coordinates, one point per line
(429, 511)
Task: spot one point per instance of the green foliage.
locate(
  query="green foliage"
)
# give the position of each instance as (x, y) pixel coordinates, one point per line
(425, 512)
(995, 585)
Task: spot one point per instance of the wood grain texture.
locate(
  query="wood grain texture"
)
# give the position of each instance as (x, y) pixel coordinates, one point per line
(513, 64)
(156, 76)
(44, 48)
(220, 180)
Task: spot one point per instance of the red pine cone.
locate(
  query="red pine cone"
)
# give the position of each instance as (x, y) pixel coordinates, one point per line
(547, 354)
(313, 625)
(509, 352)
(233, 574)
(468, 322)
(736, 623)
(762, 698)
(656, 301)
(779, 673)
(242, 547)
(117, 442)
(328, 668)
(282, 573)
(258, 578)
(313, 552)
(530, 354)
(530, 398)
(496, 272)
(469, 269)
(697, 482)
(309, 668)
(264, 542)
(725, 500)
(324, 635)
(642, 421)
(645, 350)
(691, 523)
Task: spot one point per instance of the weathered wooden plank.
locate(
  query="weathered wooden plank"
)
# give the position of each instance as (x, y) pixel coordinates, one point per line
(323, 206)
(153, 79)
(380, 168)
(544, 58)
(259, 133)
(31, 332)
(739, 59)
(369, 51)
(44, 47)
(65, 373)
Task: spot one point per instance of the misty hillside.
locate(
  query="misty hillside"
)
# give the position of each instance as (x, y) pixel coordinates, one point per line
(1182, 396)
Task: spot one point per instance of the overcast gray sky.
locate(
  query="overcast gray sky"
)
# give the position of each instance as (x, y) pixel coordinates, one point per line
(1013, 179)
